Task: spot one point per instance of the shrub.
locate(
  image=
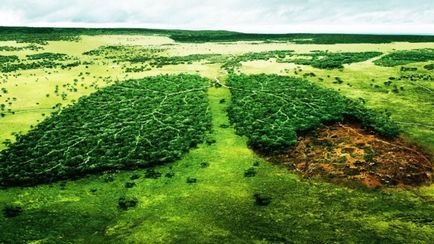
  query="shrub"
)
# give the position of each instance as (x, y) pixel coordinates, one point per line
(125, 203)
(12, 211)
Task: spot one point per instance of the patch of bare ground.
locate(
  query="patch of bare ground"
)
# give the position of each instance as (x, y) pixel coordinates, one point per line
(346, 153)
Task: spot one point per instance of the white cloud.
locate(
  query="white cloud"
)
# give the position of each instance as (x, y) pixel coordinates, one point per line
(365, 16)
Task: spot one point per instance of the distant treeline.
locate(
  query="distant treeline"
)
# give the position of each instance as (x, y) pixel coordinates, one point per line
(223, 36)
(43, 34)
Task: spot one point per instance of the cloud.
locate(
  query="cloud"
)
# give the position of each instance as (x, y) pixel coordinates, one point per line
(366, 16)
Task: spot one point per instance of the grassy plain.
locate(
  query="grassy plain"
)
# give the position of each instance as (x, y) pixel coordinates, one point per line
(220, 206)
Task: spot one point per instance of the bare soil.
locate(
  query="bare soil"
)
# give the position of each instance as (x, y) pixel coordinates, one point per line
(345, 153)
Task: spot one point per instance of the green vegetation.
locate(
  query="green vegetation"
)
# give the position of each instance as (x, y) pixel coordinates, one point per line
(43, 35)
(233, 63)
(12, 67)
(222, 207)
(133, 54)
(138, 54)
(328, 60)
(406, 57)
(133, 124)
(220, 191)
(7, 59)
(175, 60)
(270, 110)
(429, 66)
(12, 211)
(48, 56)
(226, 36)
(32, 47)
(36, 61)
(318, 59)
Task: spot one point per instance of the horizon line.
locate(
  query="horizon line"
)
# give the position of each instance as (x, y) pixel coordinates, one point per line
(141, 27)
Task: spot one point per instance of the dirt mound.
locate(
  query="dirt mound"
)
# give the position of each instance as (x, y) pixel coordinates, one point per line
(343, 153)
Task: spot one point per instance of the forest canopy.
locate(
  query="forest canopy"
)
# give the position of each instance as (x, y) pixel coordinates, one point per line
(136, 123)
(271, 110)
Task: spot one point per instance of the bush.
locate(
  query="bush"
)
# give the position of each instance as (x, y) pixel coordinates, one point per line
(250, 172)
(262, 200)
(429, 66)
(125, 203)
(152, 174)
(12, 211)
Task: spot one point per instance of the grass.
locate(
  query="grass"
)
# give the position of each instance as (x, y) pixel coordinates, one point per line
(220, 206)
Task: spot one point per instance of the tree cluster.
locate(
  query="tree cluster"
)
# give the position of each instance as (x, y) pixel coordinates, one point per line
(406, 57)
(271, 110)
(136, 123)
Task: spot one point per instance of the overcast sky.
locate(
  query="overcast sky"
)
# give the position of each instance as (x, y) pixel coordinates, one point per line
(271, 16)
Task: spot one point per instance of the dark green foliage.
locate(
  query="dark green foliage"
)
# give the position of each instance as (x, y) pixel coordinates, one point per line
(108, 178)
(136, 69)
(270, 110)
(152, 174)
(128, 53)
(191, 180)
(138, 54)
(48, 56)
(262, 200)
(31, 47)
(62, 185)
(328, 60)
(404, 69)
(210, 141)
(317, 59)
(338, 80)
(8, 59)
(132, 124)
(250, 172)
(169, 175)
(134, 177)
(42, 35)
(36, 35)
(36, 61)
(204, 164)
(175, 60)
(429, 66)
(12, 211)
(130, 184)
(33, 65)
(125, 203)
(227, 36)
(406, 57)
(235, 62)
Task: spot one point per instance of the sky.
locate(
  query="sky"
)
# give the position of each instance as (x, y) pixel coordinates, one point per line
(266, 16)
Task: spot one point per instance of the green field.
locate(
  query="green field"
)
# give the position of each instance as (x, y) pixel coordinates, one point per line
(208, 185)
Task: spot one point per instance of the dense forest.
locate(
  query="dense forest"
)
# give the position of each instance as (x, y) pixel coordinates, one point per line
(224, 36)
(406, 57)
(43, 35)
(271, 110)
(36, 61)
(133, 124)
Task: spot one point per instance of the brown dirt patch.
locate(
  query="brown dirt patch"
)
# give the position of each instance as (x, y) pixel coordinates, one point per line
(344, 153)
